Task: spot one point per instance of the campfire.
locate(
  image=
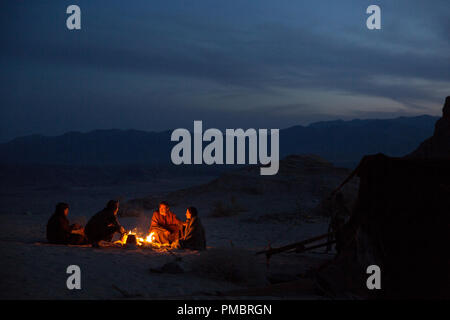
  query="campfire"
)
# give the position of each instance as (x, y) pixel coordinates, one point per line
(132, 238)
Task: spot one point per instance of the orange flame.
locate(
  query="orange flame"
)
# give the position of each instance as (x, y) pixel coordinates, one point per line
(149, 240)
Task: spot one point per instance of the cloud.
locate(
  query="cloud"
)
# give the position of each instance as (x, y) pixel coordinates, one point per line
(238, 58)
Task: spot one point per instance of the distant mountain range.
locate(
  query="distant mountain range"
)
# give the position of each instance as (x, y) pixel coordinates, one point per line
(340, 142)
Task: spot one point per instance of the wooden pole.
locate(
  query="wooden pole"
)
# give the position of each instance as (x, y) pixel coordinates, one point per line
(294, 245)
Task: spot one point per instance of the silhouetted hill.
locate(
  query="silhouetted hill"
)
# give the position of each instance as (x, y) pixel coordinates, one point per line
(341, 142)
(345, 142)
(99, 147)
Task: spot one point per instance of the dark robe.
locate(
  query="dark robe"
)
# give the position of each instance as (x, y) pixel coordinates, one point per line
(193, 236)
(102, 226)
(169, 222)
(60, 232)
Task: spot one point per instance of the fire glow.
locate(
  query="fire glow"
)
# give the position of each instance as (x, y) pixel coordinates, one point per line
(149, 240)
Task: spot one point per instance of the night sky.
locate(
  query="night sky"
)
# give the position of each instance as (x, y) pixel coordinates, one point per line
(159, 65)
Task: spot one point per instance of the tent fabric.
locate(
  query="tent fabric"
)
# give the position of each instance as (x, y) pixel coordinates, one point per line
(400, 222)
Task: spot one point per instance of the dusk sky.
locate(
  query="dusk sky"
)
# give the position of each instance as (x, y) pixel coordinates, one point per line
(159, 65)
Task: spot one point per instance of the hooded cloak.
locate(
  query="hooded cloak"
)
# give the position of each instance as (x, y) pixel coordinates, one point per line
(193, 235)
(103, 224)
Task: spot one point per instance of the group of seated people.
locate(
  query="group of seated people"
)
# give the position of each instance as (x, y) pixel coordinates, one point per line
(165, 225)
(168, 228)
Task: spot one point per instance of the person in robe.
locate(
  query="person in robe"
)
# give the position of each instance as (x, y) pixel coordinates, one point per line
(104, 224)
(59, 231)
(165, 225)
(193, 234)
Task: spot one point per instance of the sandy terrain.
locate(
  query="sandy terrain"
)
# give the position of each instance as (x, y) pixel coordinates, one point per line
(32, 269)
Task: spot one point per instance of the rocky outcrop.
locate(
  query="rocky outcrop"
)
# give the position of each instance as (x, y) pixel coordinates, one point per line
(437, 146)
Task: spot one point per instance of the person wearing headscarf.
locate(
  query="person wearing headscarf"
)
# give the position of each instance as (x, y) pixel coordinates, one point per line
(193, 235)
(104, 224)
(59, 231)
(165, 225)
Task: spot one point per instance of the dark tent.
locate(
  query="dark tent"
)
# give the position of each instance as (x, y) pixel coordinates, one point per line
(400, 222)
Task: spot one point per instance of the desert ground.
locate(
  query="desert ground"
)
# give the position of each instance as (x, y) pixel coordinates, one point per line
(33, 269)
